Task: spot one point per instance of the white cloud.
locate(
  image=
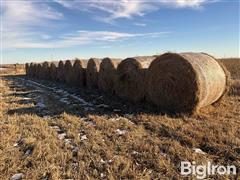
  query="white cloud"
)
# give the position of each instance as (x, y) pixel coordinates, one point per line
(22, 21)
(141, 24)
(129, 8)
(83, 37)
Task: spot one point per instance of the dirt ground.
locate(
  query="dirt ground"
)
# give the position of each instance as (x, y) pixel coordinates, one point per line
(51, 131)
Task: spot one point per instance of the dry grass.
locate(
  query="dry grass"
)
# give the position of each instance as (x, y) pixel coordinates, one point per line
(151, 146)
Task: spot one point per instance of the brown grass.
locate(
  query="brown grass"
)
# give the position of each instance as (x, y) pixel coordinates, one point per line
(130, 83)
(152, 147)
(233, 65)
(185, 82)
(108, 74)
(92, 73)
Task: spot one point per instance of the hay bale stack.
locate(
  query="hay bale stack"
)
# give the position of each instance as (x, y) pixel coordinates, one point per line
(79, 71)
(92, 71)
(130, 83)
(108, 74)
(27, 66)
(60, 72)
(185, 82)
(68, 72)
(53, 71)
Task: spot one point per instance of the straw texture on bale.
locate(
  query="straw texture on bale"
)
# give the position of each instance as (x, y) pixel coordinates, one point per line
(68, 72)
(185, 82)
(79, 71)
(53, 71)
(108, 74)
(27, 69)
(31, 68)
(45, 70)
(131, 73)
(60, 72)
(92, 72)
(35, 72)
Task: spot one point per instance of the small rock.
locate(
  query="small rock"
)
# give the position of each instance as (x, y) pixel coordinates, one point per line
(121, 132)
(198, 150)
(102, 175)
(62, 136)
(17, 176)
(84, 137)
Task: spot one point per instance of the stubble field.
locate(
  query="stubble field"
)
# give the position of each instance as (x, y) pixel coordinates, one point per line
(50, 131)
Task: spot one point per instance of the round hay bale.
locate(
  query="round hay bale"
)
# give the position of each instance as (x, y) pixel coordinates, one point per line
(185, 82)
(68, 72)
(31, 73)
(60, 72)
(45, 70)
(35, 70)
(130, 83)
(108, 74)
(79, 71)
(92, 73)
(27, 66)
(53, 70)
(38, 70)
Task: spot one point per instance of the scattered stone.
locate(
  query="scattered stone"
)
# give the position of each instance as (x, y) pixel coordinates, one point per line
(198, 150)
(19, 142)
(40, 105)
(102, 175)
(84, 137)
(62, 136)
(17, 176)
(135, 153)
(121, 132)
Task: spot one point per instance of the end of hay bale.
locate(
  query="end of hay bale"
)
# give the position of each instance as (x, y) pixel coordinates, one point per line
(130, 83)
(92, 71)
(185, 82)
(108, 74)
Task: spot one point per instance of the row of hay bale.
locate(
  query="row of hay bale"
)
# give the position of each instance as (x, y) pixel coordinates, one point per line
(173, 82)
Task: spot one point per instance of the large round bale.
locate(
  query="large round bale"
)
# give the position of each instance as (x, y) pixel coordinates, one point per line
(27, 69)
(53, 71)
(68, 72)
(92, 73)
(108, 74)
(45, 70)
(79, 71)
(131, 73)
(37, 70)
(185, 82)
(60, 72)
(31, 70)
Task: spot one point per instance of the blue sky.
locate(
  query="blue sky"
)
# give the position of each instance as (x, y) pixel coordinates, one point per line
(65, 29)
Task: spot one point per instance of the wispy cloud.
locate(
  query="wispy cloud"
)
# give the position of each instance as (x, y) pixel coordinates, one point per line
(21, 21)
(82, 37)
(129, 8)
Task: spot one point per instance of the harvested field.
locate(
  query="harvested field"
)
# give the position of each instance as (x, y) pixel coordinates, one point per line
(131, 78)
(92, 73)
(108, 74)
(52, 132)
(185, 82)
